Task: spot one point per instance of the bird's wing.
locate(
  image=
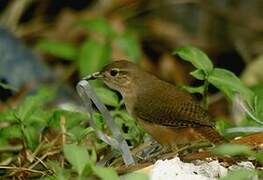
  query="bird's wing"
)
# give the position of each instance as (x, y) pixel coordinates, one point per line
(172, 111)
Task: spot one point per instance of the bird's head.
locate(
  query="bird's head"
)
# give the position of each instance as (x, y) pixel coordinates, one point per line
(117, 75)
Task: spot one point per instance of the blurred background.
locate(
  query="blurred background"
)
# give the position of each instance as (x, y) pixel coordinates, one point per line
(58, 42)
(50, 45)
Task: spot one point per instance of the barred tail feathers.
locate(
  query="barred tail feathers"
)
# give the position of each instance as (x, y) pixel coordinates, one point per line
(211, 135)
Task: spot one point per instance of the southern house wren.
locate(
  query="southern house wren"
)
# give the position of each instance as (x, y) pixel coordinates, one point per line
(168, 114)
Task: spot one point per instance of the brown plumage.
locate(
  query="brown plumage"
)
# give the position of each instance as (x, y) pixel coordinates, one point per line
(167, 113)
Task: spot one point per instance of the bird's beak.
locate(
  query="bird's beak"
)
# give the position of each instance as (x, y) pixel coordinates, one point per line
(93, 76)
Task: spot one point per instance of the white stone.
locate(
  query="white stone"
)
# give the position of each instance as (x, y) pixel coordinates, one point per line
(175, 169)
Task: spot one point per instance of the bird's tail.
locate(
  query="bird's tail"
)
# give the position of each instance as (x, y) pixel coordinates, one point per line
(212, 135)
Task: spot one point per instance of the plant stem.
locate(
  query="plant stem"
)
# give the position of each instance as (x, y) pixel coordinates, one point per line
(204, 99)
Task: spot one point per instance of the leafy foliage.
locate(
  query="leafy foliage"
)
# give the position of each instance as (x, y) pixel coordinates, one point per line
(229, 84)
(129, 45)
(39, 130)
(94, 52)
(105, 173)
(241, 174)
(93, 56)
(198, 58)
(60, 49)
(224, 80)
(233, 150)
(78, 156)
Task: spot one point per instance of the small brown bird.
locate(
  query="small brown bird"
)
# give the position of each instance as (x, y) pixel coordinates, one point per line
(168, 114)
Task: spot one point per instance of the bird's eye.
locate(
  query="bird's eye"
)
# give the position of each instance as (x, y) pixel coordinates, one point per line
(114, 72)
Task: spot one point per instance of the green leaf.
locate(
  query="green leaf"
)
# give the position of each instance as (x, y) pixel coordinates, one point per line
(259, 156)
(93, 155)
(78, 133)
(190, 89)
(60, 173)
(72, 118)
(195, 56)
(137, 176)
(240, 174)
(32, 104)
(198, 74)
(230, 84)
(129, 44)
(77, 156)
(98, 25)
(105, 173)
(93, 56)
(59, 49)
(10, 132)
(31, 135)
(99, 121)
(107, 96)
(221, 125)
(258, 101)
(132, 131)
(232, 150)
(8, 115)
(6, 86)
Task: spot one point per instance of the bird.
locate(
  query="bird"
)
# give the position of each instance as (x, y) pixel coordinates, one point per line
(167, 113)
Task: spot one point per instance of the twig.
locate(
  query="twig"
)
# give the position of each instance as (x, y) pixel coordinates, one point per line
(22, 169)
(204, 100)
(43, 157)
(63, 140)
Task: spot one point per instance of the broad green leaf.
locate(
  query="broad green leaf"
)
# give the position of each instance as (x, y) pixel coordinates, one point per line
(198, 74)
(93, 56)
(77, 156)
(107, 96)
(105, 173)
(195, 56)
(230, 84)
(129, 44)
(240, 174)
(98, 25)
(232, 150)
(59, 49)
